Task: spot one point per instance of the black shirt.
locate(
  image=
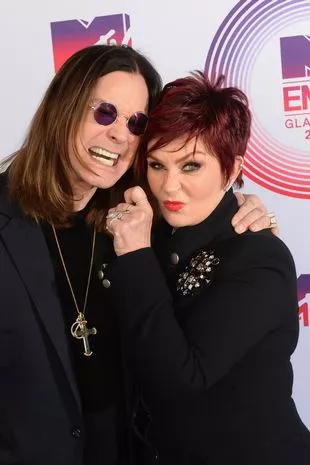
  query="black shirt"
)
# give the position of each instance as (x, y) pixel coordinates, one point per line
(98, 375)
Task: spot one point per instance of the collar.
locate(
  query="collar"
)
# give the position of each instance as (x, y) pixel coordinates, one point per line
(178, 247)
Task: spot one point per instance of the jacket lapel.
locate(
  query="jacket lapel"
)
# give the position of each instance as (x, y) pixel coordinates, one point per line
(26, 245)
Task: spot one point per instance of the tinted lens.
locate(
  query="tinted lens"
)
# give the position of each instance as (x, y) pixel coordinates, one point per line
(137, 123)
(105, 114)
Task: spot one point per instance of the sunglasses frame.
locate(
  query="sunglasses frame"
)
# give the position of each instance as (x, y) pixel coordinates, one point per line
(97, 105)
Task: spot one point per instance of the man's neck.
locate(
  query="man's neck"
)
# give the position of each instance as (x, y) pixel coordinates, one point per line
(81, 199)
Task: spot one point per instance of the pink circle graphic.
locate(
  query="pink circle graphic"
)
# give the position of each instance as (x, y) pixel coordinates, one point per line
(233, 52)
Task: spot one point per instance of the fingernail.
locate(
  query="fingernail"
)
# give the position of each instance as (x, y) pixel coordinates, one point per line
(240, 229)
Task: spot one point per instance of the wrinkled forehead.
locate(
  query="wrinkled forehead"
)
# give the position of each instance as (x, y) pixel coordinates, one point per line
(127, 91)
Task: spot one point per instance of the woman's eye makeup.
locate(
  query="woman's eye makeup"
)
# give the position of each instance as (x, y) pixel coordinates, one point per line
(187, 167)
(191, 166)
(155, 165)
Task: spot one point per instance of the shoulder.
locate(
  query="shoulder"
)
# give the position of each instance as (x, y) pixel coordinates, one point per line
(4, 197)
(9, 207)
(3, 181)
(256, 249)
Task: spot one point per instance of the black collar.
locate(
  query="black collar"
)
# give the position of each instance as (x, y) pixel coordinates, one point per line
(184, 242)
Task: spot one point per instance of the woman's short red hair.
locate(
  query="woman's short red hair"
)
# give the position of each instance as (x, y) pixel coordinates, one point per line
(194, 107)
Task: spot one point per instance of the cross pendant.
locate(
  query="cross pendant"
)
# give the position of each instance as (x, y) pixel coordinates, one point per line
(79, 330)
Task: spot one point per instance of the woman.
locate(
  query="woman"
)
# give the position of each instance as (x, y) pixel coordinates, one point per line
(61, 396)
(210, 320)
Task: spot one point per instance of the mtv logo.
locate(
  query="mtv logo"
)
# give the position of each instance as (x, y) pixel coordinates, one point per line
(303, 283)
(295, 56)
(70, 36)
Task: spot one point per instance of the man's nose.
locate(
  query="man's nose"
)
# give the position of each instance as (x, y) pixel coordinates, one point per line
(118, 130)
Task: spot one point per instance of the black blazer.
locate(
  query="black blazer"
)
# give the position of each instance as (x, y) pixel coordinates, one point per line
(40, 410)
(210, 351)
(41, 421)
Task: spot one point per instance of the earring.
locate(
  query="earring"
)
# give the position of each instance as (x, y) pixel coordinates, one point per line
(229, 186)
(231, 183)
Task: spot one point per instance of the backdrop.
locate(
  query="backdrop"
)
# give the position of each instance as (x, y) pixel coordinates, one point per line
(261, 46)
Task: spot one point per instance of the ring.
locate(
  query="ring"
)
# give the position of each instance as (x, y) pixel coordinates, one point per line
(273, 221)
(116, 215)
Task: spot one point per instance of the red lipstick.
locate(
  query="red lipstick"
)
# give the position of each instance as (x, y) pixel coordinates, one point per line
(173, 206)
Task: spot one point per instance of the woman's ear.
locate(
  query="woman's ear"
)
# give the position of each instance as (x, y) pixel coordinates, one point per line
(237, 168)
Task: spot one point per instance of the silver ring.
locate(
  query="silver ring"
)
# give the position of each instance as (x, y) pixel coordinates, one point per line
(273, 220)
(107, 226)
(116, 215)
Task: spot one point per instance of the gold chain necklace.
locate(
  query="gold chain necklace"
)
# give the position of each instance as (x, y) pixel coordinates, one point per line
(79, 329)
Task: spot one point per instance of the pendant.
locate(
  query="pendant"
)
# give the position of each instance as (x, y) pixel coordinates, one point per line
(79, 330)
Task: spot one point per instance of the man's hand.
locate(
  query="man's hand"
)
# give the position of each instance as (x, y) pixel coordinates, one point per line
(252, 215)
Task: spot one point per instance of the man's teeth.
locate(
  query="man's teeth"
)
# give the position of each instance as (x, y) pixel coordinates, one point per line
(105, 161)
(104, 156)
(104, 153)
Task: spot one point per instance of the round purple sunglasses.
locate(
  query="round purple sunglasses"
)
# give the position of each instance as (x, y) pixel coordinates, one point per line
(106, 113)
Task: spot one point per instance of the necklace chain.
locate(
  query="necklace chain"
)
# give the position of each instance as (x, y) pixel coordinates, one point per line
(79, 329)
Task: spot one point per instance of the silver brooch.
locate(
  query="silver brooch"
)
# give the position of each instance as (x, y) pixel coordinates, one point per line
(197, 273)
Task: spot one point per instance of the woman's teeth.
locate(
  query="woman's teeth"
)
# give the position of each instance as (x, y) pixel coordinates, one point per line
(104, 156)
